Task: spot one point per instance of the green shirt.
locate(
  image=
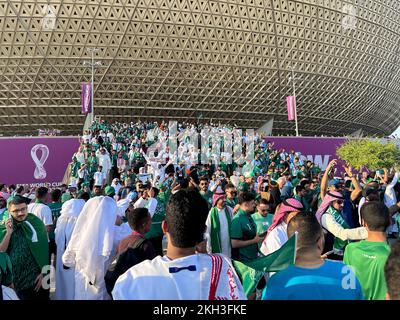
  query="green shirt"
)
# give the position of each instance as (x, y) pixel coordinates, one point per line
(368, 261)
(304, 202)
(158, 218)
(243, 186)
(208, 197)
(261, 222)
(3, 215)
(74, 169)
(24, 266)
(223, 166)
(232, 202)
(55, 212)
(244, 228)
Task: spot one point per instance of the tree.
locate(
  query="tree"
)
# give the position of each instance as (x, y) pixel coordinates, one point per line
(369, 153)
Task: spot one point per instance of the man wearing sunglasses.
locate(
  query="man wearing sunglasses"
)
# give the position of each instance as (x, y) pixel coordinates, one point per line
(262, 218)
(231, 195)
(205, 193)
(337, 231)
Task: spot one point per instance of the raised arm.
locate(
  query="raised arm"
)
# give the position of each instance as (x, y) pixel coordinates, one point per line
(324, 181)
(330, 224)
(357, 188)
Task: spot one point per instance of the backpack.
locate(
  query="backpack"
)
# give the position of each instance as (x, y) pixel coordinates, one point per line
(127, 259)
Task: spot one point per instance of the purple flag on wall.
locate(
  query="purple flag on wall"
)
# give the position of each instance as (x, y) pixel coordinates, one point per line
(86, 97)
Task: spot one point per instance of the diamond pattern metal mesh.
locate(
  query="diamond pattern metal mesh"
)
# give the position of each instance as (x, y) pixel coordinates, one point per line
(228, 61)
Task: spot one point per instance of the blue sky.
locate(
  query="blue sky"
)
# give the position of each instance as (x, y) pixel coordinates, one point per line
(397, 131)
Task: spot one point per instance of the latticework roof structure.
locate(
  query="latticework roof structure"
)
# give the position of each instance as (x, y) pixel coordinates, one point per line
(228, 61)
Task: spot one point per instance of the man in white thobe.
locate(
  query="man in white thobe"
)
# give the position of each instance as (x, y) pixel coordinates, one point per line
(65, 288)
(92, 248)
(104, 161)
(390, 199)
(220, 242)
(182, 274)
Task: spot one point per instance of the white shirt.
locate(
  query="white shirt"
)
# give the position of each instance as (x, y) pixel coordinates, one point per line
(151, 206)
(80, 157)
(9, 294)
(390, 194)
(104, 161)
(86, 138)
(116, 187)
(110, 136)
(41, 211)
(98, 178)
(140, 203)
(275, 239)
(81, 173)
(152, 280)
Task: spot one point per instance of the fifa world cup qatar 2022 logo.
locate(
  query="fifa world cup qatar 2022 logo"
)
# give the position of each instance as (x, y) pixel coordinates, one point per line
(40, 172)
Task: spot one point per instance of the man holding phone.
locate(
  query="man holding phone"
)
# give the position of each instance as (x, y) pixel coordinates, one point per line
(24, 238)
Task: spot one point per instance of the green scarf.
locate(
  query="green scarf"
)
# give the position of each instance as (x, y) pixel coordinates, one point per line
(338, 243)
(216, 228)
(40, 248)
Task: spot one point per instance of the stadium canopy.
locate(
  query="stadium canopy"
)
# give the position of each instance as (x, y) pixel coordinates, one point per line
(201, 60)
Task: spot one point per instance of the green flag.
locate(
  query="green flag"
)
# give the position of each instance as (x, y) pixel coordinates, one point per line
(248, 276)
(6, 276)
(38, 242)
(252, 272)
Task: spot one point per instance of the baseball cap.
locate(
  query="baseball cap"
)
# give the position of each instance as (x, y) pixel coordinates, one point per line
(333, 182)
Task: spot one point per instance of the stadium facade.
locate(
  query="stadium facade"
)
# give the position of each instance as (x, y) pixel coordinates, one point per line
(202, 60)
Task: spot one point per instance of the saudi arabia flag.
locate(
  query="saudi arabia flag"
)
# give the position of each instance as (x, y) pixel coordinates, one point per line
(252, 272)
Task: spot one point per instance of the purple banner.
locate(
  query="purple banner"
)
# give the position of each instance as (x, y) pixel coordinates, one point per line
(86, 98)
(36, 160)
(291, 107)
(43, 160)
(318, 150)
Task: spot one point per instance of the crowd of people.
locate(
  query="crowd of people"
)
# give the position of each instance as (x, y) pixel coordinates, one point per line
(134, 224)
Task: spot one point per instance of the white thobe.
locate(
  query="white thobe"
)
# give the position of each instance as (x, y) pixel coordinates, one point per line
(92, 248)
(391, 200)
(153, 280)
(275, 239)
(223, 234)
(104, 162)
(65, 288)
(65, 284)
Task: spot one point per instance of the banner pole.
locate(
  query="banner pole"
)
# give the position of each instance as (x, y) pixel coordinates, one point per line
(295, 103)
(92, 85)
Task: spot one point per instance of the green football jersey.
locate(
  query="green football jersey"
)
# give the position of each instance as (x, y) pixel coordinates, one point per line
(244, 228)
(368, 262)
